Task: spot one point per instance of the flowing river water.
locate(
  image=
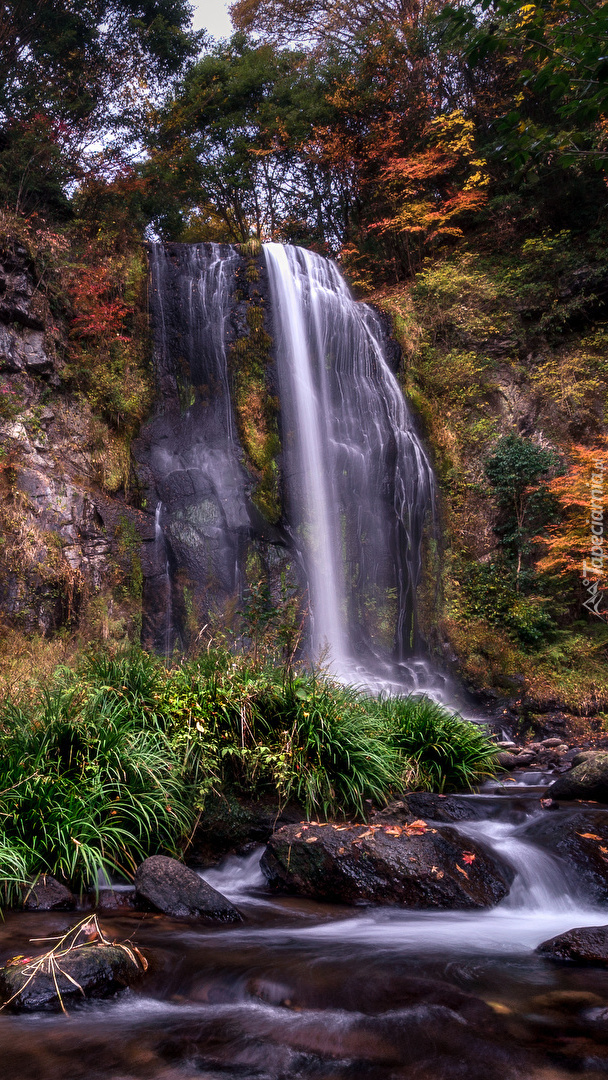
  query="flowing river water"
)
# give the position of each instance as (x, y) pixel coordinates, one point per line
(302, 989)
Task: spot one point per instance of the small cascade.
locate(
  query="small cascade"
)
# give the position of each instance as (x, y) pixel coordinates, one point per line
(360, 485)
(189, 451)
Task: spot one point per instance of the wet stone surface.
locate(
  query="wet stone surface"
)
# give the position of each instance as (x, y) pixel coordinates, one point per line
(307, 989)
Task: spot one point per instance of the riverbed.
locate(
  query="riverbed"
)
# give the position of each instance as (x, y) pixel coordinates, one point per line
(302, 989)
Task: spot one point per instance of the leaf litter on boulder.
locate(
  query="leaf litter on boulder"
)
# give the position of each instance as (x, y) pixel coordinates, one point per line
(86, 934)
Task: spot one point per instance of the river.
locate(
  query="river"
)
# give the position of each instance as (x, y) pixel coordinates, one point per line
(302, 989)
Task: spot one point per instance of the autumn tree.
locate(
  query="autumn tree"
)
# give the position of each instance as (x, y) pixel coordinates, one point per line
(72, 75)
(581, 495)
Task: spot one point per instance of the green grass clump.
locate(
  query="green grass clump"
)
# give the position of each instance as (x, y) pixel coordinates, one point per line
(449, 753)
(88, 781)
(112, 760)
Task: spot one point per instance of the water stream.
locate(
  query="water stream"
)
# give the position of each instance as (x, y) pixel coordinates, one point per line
(322, 992)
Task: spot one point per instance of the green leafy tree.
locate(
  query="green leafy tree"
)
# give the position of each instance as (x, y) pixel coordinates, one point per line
(514, 471)
(75, 74)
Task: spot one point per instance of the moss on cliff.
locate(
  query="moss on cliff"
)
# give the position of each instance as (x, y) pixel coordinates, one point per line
(499, 344)
(255, 403)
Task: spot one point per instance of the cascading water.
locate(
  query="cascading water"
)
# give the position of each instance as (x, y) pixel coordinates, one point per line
(190, 450)
(357, 485)
(360, 485)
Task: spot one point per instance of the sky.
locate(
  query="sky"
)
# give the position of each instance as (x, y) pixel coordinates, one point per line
(212, 15)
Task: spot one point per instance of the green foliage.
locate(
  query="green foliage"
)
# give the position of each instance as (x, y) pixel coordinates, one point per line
(307, 737)
(514, 470)
(489, 593)
(88, 778)
(448, 752)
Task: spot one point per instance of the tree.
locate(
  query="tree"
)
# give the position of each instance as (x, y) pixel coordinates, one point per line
(228, 146)
(514, 470)
(74, 74)
(580, 494)
(558, 49)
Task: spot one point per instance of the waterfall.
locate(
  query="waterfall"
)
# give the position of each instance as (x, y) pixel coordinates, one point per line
(360, 486)
(357, 487)
(189, 452)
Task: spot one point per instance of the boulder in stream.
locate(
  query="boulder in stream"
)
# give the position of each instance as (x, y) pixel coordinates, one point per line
(588, 780)
(164, 884)
(580, 837)
(45, 893)
(429, 805)
(90, 971)
(415, 865)
(583, 945)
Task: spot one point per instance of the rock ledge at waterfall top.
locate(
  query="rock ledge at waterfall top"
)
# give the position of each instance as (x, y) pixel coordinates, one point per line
(580, 838)
(415, 865)
(166, 885)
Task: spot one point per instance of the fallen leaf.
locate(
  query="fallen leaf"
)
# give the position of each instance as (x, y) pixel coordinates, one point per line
(364, 836)
(590, 836)
(341, 851)
(604, 850)
(419, 824)
(462, 871)
(468, 857)
(311, 839)
(394, 830)
(298, 835)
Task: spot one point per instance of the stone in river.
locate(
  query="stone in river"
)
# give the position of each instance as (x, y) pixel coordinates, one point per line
(580, 838)
(47, 894)
(415, 865)
(589, 780)
(427, 804)
(583, 945)
(164, 884)
(98, 970)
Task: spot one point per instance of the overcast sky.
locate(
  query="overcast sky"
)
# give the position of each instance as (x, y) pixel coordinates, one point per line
(212, 15)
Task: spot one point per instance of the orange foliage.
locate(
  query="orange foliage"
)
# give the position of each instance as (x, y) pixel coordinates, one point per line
(98, 312)
(581, 494)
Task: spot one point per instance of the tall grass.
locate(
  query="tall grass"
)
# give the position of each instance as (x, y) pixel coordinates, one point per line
(111, 761)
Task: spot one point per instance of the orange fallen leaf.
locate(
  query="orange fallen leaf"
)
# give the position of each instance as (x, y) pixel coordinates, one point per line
(395, 830)
(311, 840)
(341, 851)
(590, 836)
(462, 871)
(364, 836)
(468, 857)
(418, 824)
(298, 835)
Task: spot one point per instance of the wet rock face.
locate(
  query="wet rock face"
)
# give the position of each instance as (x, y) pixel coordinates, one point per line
(587, 780)
(426, 804)
(61, 533)
(581, 839)
(99, 971)
(164, 884)
(584, 945)
(47, 894)
(419, 867)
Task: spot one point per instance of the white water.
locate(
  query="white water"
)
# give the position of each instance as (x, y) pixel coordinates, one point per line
(360, 486)
(543, 902)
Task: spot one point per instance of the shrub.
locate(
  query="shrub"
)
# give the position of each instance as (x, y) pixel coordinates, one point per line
(449, 753)
(88, 782)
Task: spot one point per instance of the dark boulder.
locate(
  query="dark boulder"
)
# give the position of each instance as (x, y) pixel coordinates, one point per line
(417, 866)
(47, 894)
(426, 804)
(589, 780)
(584, 945)
(97, 970)
(580, 837)
(164, 884)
